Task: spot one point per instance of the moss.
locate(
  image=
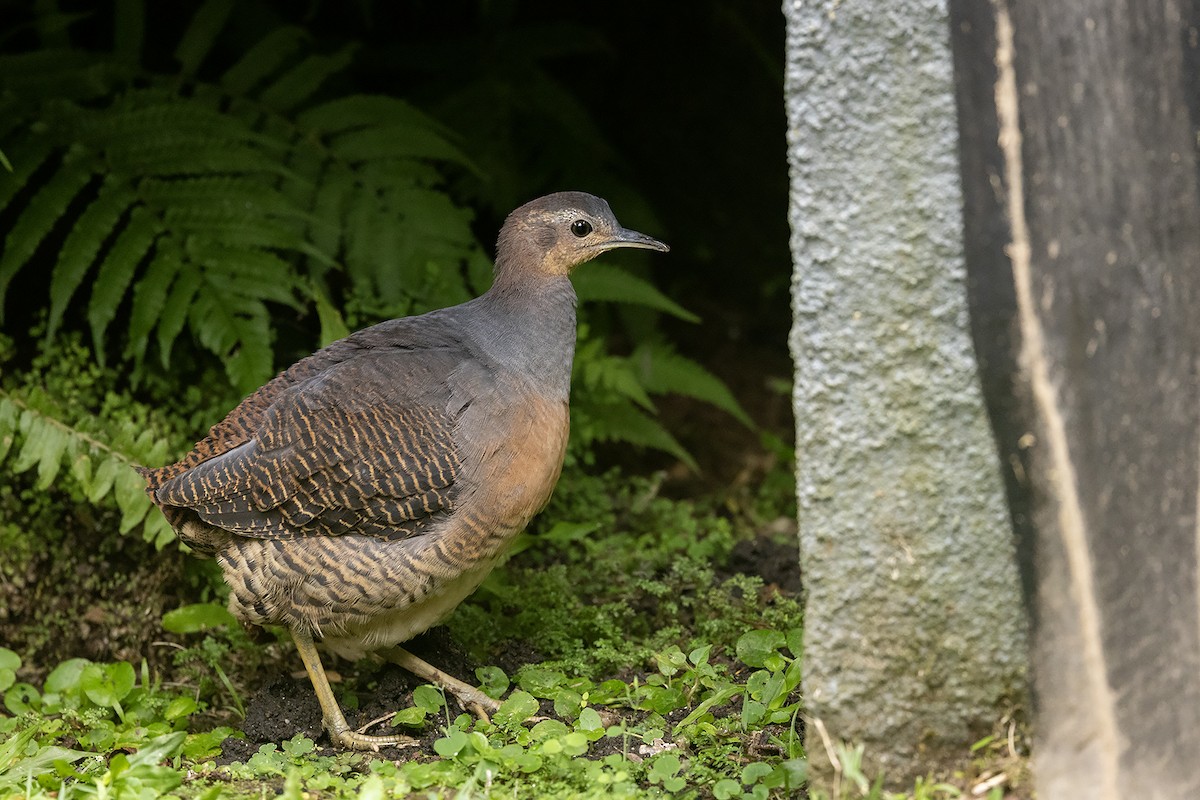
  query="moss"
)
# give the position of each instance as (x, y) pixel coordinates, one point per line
(652, 573)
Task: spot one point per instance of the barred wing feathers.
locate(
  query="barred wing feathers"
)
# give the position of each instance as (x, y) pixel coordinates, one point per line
(359, 441)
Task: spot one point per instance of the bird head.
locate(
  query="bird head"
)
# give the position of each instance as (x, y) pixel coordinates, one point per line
(556, 233)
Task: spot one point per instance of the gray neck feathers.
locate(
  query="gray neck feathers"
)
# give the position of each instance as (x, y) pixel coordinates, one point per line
(528, 325)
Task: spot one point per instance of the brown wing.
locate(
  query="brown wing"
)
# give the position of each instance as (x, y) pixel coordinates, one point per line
(364, 445)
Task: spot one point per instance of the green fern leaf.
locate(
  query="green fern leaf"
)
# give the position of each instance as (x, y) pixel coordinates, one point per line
(149, 299)
(27, 156)
(194, 155)
(175, 311)
(237, 330)
(238, 231)
(81, 467)
(612, 374)
(52, 443)
(625, 423)
(303, 80)
(32, 429)
(663, 371)
(250, 272)
(129, 491)
(329, 208)
(102, 479)
(198, 40)
(263, 59)
(42, 445)
(58, 72)
(398, 141)
(364, 255)
(116, 273)
(157, 531)
(78, 253)
(10, 417)
(361, 111)
(432, 219)
(601, 282)
(333, 326)
(233, 196)
(38, 218)
(156, 135)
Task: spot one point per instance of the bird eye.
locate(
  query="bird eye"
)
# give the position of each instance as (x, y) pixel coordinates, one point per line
(581, 228)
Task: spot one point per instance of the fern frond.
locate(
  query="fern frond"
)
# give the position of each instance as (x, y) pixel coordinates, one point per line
(398, 141)
(79, 250)
(41, 439)
(10, 416)
(175, 312)
(237, 329)
(177, 136)
(145, 116)
(249, 272)
(54, 72)
(610, 376)
(201, 34)
(26, 156)
(263, 59)
(362, 111)
(127, 487)
(303, 80)
(44, 209)
(235, 195)
(149, 300)
(601, 282)
(42, 446)
(334, 191)
(623, 422)
(333, 326)
(663, 371)
(364, 259)
(116, 272)
(226, 226)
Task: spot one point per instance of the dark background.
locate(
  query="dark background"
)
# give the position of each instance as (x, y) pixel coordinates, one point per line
(672, 112)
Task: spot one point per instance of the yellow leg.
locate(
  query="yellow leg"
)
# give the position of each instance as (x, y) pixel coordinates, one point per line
(468, 695)
(335, 723)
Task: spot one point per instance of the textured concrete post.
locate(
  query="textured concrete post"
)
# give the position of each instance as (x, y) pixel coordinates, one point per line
(1082, 208)
(915, 640)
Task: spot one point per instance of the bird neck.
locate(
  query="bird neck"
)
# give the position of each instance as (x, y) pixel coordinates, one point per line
(530, 327)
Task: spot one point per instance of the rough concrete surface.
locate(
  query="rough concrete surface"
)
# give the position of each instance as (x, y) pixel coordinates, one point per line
(915, 634)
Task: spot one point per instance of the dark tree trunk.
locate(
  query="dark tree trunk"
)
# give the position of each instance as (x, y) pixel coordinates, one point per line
(1082, 227)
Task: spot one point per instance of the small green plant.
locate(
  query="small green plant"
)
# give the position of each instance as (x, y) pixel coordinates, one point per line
(102, 709)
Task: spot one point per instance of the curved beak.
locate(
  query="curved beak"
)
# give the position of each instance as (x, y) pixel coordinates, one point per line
(623, 237)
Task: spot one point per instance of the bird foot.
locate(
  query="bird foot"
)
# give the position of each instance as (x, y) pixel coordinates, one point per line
(471, 698)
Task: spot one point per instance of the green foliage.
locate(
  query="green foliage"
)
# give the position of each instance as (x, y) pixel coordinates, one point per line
(613, 573)
(63, 421)
(209, 204)
(208, 209)
(104, 709)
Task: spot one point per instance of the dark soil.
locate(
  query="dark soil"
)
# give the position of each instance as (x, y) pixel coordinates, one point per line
(774, 560)
(84, 596)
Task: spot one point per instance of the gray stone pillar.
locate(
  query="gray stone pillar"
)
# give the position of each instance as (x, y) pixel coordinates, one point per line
(915, 639)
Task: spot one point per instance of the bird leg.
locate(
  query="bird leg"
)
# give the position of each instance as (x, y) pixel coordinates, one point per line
(335, 722)
(468, 695)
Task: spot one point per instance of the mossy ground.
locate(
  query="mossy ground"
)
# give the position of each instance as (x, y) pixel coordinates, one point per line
(651, 621)
(640, 628)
